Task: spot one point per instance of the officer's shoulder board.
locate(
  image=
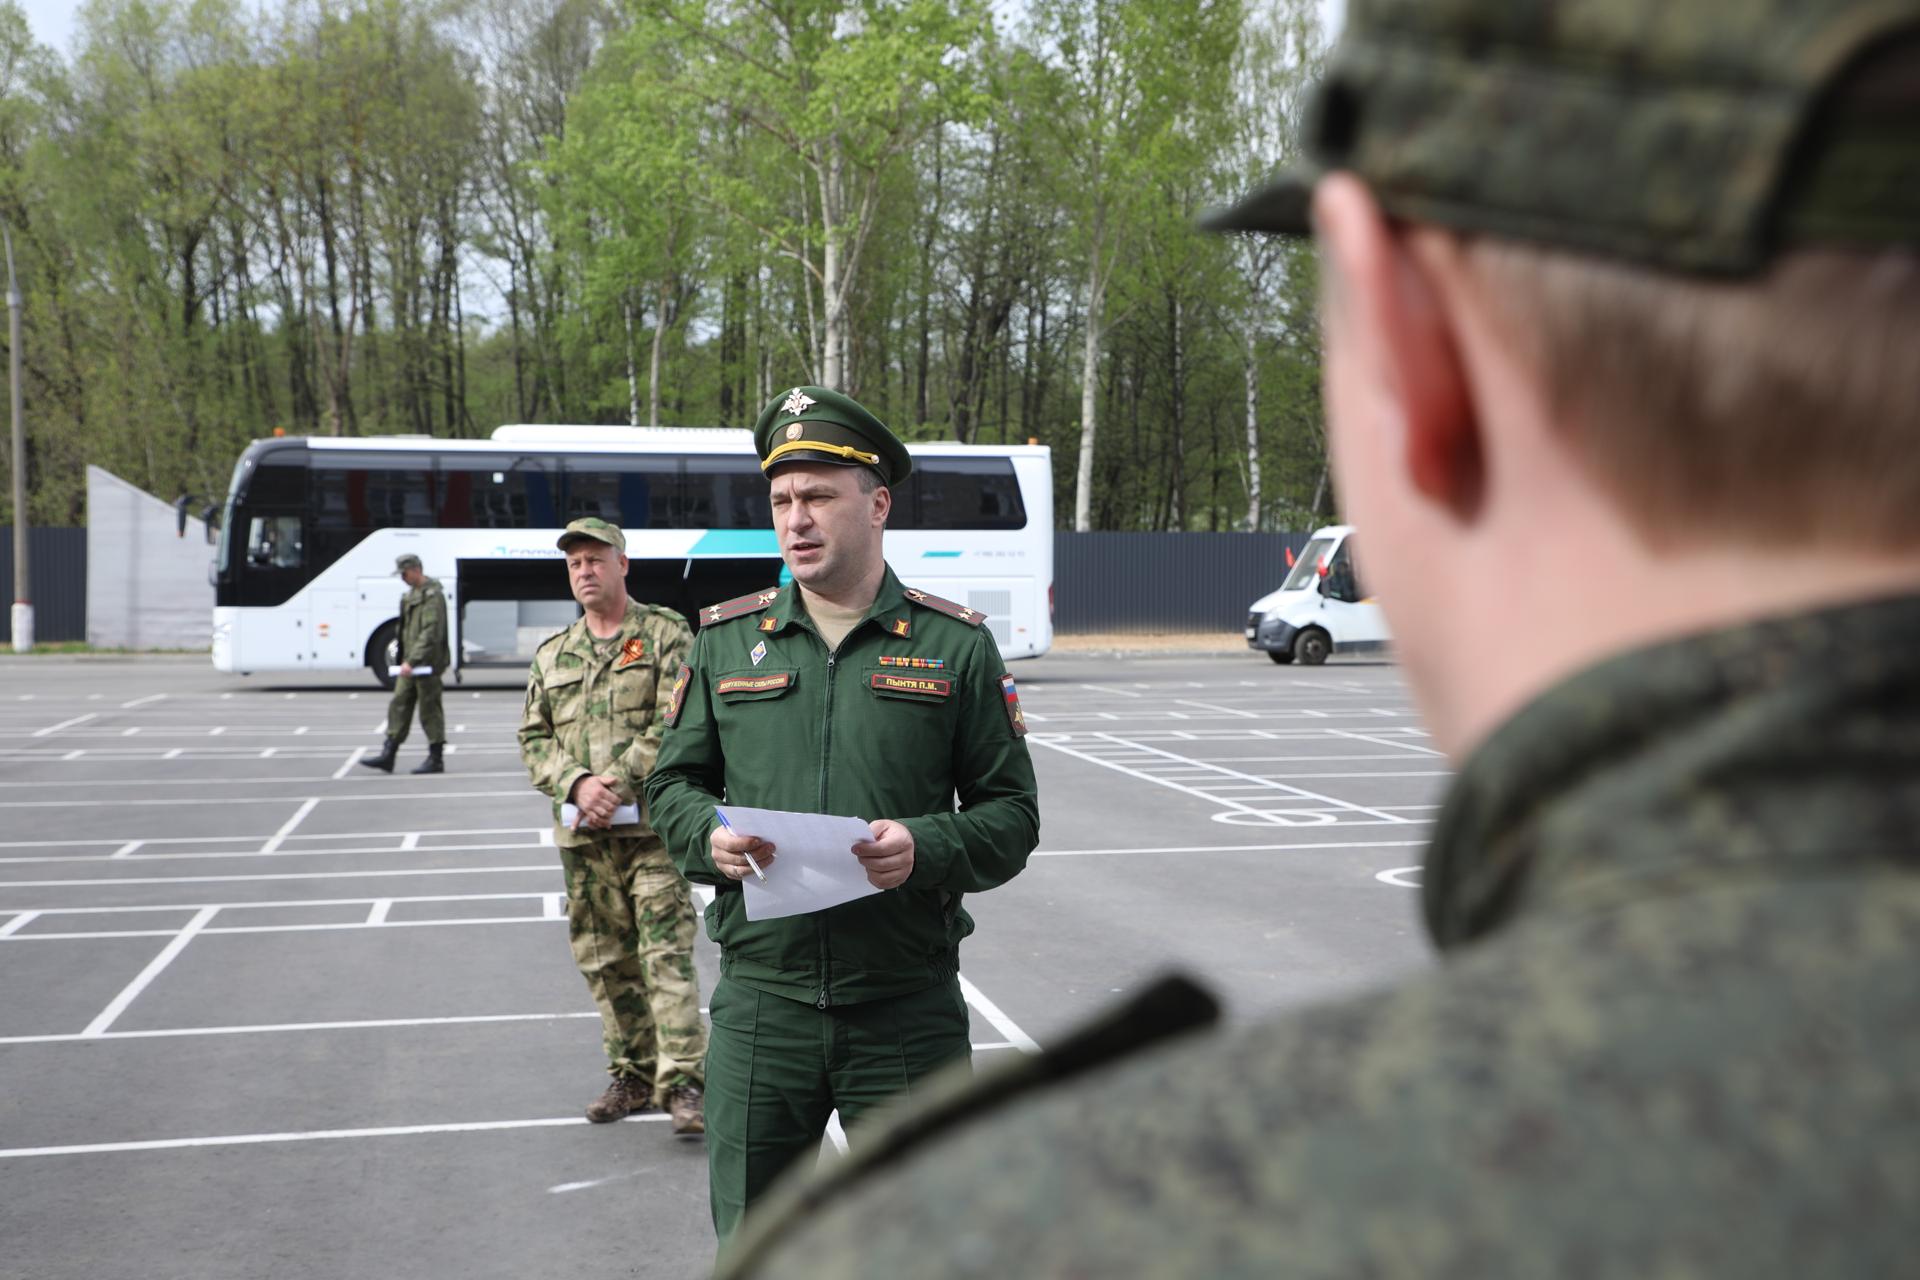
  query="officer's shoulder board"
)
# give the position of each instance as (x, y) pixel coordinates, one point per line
(739, 606)
(927, 600)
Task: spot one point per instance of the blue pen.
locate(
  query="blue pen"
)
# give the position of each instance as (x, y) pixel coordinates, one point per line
(749, 857)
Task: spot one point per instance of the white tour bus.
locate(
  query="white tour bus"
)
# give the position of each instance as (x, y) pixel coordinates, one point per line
(304, 576)
(1321, 608)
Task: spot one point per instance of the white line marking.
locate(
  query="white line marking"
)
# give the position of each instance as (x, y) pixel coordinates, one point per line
(216, 731)
(1214, 706)
(126, 850)
(1102, 688)
(73, 755)
(561, 1188)
(302, 729)
(175, 755)
(274, 841)
(410, 842)
(1385, 742)
(835, 1134)
(153, 970)
(1398, 876)
(141, 702)
(317, 1135)
(352, 760)
(266, 753)
(378, 914)
(278, 875)
(130, 731)
(280, 1028)
(18, 923)
(550, 907)
(1001, 1022)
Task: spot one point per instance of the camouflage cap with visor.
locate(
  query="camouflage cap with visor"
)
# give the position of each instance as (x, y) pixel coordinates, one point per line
(593, 528)
(402, 563)
(816, 424)
(1690, 135)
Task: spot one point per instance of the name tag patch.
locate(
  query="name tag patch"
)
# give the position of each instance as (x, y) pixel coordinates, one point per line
(753, 684)
(926, 686)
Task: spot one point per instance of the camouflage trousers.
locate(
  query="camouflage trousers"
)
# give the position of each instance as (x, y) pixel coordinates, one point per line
(630, 920)
(425, 690)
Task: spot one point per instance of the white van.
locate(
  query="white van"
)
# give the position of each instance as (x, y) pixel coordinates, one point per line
(1321, 608)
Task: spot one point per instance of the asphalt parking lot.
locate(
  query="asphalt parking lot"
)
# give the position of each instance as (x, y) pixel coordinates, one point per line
(270, 1014)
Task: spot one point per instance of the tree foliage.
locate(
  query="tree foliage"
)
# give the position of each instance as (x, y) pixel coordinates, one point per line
(358, 217)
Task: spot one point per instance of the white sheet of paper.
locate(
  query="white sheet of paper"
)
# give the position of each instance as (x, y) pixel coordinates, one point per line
(814, 867)
(624, 815)
(396, 672)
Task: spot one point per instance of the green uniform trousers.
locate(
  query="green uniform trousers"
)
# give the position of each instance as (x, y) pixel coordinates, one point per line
(630, 921)
(777, 1068)
(425, 690)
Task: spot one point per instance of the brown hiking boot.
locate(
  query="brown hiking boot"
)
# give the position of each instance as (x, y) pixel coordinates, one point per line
(687, 1103)
(624, 1096)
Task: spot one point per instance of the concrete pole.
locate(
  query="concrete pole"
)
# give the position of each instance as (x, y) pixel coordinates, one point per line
(22, 586)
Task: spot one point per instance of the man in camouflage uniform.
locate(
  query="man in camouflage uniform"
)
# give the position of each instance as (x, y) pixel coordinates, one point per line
(1622, 313)
(588, 737)
(424, 657)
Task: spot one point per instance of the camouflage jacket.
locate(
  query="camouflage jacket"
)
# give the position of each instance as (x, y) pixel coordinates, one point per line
(423, 627)
(1676, 1031)
(586, 713)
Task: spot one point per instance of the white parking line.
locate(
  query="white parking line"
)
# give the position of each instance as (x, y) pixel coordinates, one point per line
(141, 702)
(279, 875)
(1001, 1022)
(1231, 848)
(352, 759)
(300, 815)
(281, 1028)
(18, 923)
(317, 1135)
(64, 724)
(1385, 742)
(132, 990)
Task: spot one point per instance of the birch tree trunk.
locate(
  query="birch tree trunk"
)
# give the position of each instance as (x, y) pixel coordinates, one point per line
(633, 374)
(1253, 436)
(653, 370)
(1089, 385)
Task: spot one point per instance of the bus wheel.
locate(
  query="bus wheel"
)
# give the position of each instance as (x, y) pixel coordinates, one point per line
(383, 653)
(1281, 656)
(1311, 647)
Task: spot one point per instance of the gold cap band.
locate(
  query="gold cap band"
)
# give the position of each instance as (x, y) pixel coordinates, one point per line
(816, 446)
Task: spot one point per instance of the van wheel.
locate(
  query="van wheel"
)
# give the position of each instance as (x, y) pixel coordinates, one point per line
(1281, 656)
(383, 652)
(1312, 646)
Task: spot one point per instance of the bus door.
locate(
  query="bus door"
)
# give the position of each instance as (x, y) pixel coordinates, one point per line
(273, 569)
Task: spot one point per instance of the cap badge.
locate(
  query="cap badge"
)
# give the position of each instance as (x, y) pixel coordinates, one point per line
(795, 430)
(798, 402)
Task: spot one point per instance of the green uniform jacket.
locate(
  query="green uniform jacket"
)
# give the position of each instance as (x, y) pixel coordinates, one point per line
(1676, 1031)
(423, 627)
(601, 715)
(863, 732)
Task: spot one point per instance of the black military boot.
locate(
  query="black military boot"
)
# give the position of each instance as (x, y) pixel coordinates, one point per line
(384, 761)
(433, 763)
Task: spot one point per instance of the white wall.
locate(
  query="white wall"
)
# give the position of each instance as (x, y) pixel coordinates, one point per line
(147, 586)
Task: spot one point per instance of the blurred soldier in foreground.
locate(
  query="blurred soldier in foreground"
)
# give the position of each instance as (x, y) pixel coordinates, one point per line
(595, 711)
(424, 657)
(1622, 312)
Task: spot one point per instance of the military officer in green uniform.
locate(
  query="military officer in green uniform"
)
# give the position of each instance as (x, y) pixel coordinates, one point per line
(588, 736)
(424, 657)
(1621, 303)
(846, 693)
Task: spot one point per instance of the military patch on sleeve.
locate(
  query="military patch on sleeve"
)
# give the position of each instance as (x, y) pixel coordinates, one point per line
(679, 695)
(1012, 696)
(739, 605)
(631, 652)
(948, 607)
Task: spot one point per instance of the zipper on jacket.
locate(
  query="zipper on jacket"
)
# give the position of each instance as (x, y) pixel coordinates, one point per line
(826, 755)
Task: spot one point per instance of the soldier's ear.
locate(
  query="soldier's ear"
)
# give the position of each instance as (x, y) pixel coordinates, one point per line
(882, 505)
(1401, 366)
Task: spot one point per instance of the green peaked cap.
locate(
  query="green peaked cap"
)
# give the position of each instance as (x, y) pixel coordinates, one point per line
(815, 424)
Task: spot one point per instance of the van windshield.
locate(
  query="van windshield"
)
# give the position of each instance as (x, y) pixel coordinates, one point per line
(1308, 565)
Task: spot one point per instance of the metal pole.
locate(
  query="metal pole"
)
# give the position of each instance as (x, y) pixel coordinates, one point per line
(22, 585)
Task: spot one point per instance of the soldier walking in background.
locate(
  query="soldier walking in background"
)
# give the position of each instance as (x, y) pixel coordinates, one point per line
(589, 736)
(424, 656)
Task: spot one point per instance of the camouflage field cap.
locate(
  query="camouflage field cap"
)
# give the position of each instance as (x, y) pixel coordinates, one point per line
(403, 563)
(814, 424)
(1692, 135)
(594, 529)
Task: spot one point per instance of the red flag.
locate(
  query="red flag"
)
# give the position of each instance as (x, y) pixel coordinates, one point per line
(1289, 557)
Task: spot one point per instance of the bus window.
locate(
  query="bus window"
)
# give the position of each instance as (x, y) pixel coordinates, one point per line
(498, 491)
(632, 492)
(361, 492)
(960, 493)
(724, 493)
(1343, 576)
(273, 542)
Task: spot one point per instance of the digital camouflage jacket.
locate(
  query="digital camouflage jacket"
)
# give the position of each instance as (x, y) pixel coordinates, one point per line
(1676, 1031)
(913, 718)
(586, 713)
(423, 627)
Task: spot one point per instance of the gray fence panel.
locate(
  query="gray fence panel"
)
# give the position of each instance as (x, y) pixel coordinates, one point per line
(1144, 582)
(58, 565)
